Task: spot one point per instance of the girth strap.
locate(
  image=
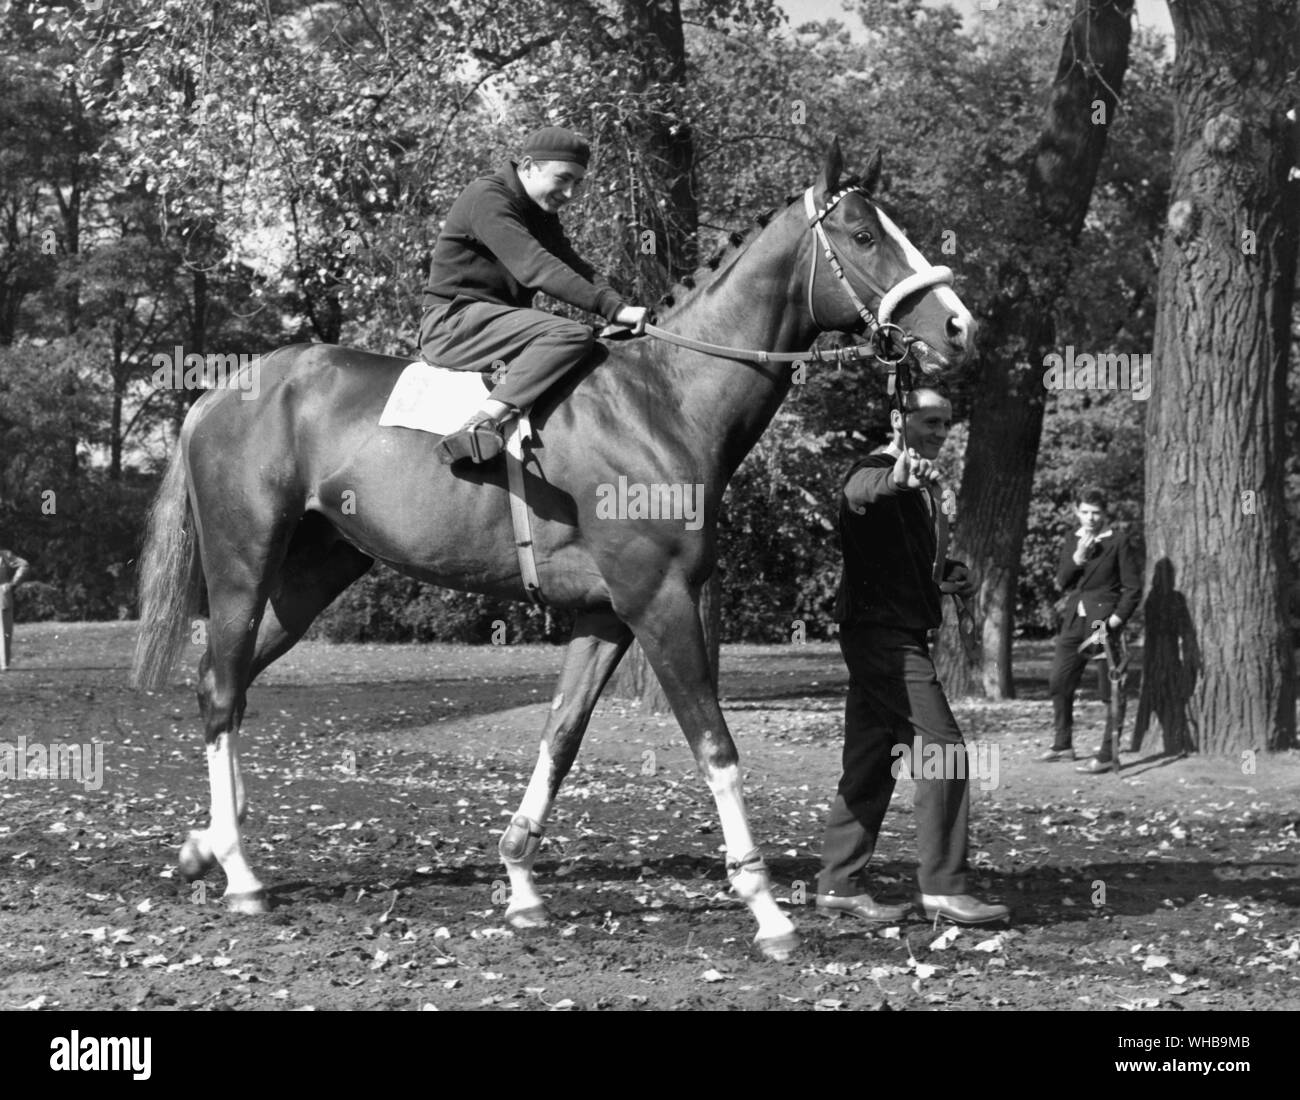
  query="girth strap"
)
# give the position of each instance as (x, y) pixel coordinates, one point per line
(518, 437)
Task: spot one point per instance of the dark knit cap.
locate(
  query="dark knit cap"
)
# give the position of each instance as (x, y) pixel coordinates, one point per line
(556, 143)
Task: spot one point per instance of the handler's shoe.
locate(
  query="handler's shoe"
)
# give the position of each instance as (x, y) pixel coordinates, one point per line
(1052, 755)
(479, 439)
(1097, 766)
(962, 909)
(863, 906)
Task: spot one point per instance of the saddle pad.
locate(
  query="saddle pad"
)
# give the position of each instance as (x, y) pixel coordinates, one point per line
(433, 399)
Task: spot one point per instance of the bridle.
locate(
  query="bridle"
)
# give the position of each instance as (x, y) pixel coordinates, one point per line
(889, 345)
(886, 337)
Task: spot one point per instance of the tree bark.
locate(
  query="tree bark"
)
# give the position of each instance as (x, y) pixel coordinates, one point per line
(667, 155)
(1220, 674)
(1006, 417)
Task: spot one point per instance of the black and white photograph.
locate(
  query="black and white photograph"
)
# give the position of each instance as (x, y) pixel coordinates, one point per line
(650, 506)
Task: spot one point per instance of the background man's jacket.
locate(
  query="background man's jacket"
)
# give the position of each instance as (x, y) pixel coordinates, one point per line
(1110, 580)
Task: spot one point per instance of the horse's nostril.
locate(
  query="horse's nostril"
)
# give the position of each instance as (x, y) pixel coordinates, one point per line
(958, 330)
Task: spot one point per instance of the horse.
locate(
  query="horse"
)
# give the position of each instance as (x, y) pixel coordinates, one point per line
(280, 503)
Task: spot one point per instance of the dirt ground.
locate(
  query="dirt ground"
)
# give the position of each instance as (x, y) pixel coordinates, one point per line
(380, 778)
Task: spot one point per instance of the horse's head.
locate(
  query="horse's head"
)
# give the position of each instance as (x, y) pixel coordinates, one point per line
(881, 268)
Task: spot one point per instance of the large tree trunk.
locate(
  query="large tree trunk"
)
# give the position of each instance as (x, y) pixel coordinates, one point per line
(1220, 673)
(1006, 417)
(667, 157)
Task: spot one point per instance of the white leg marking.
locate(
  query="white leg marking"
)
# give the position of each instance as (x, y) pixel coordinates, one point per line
(536, 806)
(227, 790)
(752, 886)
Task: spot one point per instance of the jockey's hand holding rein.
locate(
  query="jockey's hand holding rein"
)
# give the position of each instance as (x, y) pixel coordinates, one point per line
(634, 317)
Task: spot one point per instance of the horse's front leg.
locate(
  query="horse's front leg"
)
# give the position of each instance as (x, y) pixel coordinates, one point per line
(599, 641)
(670, 632)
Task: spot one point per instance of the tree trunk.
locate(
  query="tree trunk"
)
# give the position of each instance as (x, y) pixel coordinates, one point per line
(1006, 416)
(667, 154)
(1219, 660)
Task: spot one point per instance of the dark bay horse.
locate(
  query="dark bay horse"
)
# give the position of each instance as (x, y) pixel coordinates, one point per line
(283, 501)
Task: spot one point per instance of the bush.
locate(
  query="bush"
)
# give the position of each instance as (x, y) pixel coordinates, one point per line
(384, 606)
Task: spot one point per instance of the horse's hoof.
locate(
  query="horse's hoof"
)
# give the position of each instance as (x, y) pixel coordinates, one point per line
(251, 904)
(191, 863)
(778, 948)
(535, 916)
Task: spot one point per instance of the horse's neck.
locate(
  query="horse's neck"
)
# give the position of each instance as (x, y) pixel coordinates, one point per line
(754, 306)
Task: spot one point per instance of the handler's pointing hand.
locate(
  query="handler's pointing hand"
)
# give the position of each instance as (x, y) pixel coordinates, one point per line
(911, 471)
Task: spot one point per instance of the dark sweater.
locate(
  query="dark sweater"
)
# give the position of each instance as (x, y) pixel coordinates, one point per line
(499, 246)
(887, 537)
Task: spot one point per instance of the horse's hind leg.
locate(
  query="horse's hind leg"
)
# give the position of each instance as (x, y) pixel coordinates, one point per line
(668, 628)
(318, 567)
(236, 606)
(314, 572)
(599, 641)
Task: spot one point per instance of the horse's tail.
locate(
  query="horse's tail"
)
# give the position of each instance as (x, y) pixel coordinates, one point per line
(170, 577)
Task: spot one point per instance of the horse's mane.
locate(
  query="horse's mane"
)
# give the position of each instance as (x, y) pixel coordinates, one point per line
(685, 289)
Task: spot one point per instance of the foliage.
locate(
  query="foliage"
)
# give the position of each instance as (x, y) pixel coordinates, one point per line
(778, 545)
(245, 174)
(385, 606)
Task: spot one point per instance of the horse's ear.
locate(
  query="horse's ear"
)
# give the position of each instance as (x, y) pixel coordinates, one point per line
(833, 168)
(871, 176)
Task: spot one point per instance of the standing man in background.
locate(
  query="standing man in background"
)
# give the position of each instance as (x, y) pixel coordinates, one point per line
(12, 570)
(1101, 572)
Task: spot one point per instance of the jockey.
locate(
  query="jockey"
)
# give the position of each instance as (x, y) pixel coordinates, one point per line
(501, 243)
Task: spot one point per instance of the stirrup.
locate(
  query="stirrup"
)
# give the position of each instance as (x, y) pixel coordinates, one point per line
(479, 439)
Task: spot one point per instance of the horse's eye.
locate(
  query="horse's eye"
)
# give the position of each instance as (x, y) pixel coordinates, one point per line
(863, 238)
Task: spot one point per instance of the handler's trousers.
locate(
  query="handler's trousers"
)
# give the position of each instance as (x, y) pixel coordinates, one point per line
(1067, 670)
(536, 347)
(895, 698)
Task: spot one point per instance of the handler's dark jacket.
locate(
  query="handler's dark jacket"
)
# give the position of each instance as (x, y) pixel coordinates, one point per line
(889, 544)
(499, 246)
(1109, 582)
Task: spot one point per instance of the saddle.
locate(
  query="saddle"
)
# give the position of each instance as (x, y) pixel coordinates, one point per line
(436, 400)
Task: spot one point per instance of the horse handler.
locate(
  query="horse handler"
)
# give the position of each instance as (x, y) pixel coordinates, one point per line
(12, 570)
(501, 243)
(891, 531)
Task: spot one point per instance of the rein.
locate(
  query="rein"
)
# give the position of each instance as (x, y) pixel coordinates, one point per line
(885, 336)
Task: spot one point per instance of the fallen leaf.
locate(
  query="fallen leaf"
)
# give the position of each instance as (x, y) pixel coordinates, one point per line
(944, 941)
